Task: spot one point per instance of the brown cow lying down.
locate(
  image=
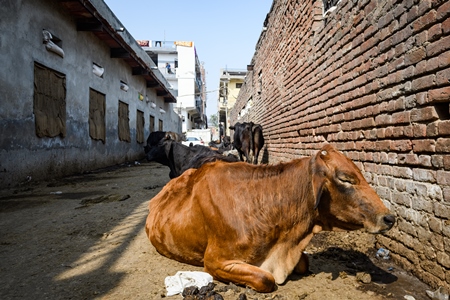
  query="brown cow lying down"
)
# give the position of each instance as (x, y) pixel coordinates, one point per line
(249, 224)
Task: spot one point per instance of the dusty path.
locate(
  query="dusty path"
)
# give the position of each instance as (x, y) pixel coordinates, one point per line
(82, 237)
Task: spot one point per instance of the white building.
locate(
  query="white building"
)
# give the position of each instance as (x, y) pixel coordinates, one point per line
(179, 63)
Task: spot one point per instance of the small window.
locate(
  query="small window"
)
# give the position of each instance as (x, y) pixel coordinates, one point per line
(160, 125)
(49, 102)
(329, 6)
(152, 124)
(123, 86)
(124, 122)
(260, 82)
(50, 36)
(97, 70)
(239, 85)
(97, 127)
(52, 43)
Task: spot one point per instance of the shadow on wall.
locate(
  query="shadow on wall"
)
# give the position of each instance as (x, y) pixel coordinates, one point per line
(265, 157)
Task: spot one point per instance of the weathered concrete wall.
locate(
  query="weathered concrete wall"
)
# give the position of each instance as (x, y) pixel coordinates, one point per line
(22, 153)
(373, 79)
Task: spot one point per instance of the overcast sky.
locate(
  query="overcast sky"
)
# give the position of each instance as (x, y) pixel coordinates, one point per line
(224, 33)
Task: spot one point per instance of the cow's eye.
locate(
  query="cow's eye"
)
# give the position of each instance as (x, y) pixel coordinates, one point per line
(346, 179)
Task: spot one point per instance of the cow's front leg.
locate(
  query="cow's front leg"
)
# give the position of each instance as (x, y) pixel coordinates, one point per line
(302, 266)
(241, 273)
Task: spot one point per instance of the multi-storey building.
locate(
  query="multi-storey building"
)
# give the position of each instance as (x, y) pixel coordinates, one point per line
(179, 63)
(231, 81)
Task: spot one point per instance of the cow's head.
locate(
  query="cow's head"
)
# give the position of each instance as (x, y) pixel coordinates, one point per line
(158, 152)
(343, 197)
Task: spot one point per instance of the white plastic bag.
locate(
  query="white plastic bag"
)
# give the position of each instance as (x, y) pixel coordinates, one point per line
(183, 279)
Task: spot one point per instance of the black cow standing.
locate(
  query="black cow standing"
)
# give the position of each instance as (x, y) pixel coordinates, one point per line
(258, 141)
(248, 137)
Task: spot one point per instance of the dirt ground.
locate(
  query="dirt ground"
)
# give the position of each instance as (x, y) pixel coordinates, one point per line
(82, 237)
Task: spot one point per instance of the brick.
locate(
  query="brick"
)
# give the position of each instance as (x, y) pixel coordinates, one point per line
(445, 26)
(435, 224)
(414, 56)
(408, 159)
(381, 133)
(383, 120)
(444, 59)
(441, 210)
(419, 130)
(424, 114)
(401, 145)
(402, 172)
(433, 129)
(424, 82)
(439, 95)
(443, 11)
(425, 160)
(446, 194)
(443, 145)
(424, 175)
(443, 77)
(443, 259)
(401, 117)
(437, 47)
(444, 127)
(424, 21)
(443, 177)
(434, 192)
(412, 14)
(434, 33)
(403, 199)
(424, 146)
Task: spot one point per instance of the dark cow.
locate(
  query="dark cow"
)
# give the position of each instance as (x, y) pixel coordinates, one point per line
(249, 224)
(179, 157)
(153, 139)
(258, 141)
(248, 138)
(242, 139)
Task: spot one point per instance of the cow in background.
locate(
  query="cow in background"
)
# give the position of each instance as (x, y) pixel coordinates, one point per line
(155, 137)
(153, 140)
(179, 157)
(249, 224)
(174, 136)
(258, 141)
(248, 138)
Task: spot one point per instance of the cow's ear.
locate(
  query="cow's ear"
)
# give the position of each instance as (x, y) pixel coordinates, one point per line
(318, 186)
(319, 177)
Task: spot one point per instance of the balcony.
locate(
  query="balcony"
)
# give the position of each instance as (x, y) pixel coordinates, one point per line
(166, 74)
(160, 45)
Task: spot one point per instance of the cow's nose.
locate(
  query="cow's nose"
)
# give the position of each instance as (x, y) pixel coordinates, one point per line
(389, 220)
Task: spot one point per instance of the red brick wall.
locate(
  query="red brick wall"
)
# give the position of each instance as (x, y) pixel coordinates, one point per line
(373, 79)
